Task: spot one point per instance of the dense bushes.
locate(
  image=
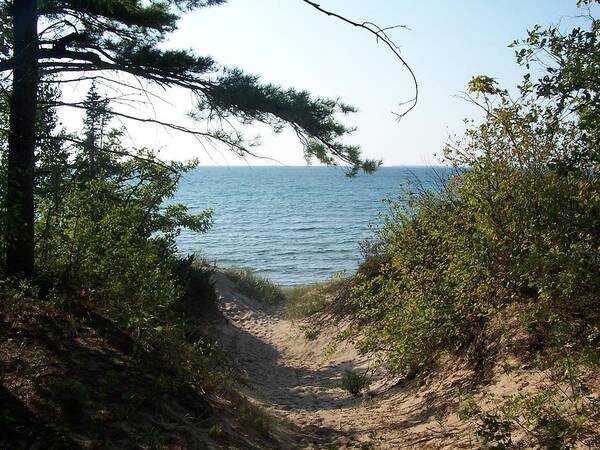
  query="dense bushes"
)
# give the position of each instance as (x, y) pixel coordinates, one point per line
(517, 231)
(105, 231)
(505, 257)
(468, 253)
(113, 240)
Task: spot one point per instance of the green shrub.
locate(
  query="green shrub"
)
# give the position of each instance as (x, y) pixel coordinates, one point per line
(194, 277)
(517, 225)
(355, 382)
(215, 432)
(256, 287)
(113, 241)
(310, 331)
(71, 395)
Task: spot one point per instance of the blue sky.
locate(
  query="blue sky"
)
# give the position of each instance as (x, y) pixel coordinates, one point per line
(289, 43)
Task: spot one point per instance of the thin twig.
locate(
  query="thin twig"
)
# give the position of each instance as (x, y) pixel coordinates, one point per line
(380, 34)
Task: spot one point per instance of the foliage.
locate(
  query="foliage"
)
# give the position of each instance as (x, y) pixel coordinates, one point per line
(563, 414)
(354, 382)
(128, 37)
(310, 331)
(194, 276)
(94, 41)
(215, 432)
(506, 252)
(82, 376)
(71, 395)
(306, 300)
(256, 287)
(517, 226)
(113, 240)
(102, 227)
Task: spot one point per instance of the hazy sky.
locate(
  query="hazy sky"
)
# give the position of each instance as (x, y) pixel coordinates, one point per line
(288, 43)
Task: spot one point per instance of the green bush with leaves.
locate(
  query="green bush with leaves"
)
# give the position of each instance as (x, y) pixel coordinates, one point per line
(113, 239)
(105, 230)
(518, 225)
(354, 382)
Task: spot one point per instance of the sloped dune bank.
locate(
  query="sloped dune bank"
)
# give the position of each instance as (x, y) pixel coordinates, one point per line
(297, 380)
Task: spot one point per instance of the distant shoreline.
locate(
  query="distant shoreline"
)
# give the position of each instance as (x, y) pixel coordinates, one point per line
(312, 166)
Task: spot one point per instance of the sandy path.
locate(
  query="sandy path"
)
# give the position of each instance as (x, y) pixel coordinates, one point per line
(290, 376)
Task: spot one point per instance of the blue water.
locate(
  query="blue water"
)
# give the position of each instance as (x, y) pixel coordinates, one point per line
(294, 225)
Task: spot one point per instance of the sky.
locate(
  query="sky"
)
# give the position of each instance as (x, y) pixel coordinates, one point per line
(288, 43)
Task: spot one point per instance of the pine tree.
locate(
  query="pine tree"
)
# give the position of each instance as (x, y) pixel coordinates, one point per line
(93, 159)
(91, 39)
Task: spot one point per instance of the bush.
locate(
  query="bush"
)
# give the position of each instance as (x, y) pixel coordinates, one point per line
(194, 276)
(311, 332)
(354, 382)
(517, 225)
(112, 241)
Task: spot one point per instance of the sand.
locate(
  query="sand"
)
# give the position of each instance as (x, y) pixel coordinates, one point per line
(298, 380)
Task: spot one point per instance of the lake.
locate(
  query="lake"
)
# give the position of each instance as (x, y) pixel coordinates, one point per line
(294, 225)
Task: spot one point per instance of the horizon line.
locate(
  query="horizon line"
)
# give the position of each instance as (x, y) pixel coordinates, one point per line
(316, 166)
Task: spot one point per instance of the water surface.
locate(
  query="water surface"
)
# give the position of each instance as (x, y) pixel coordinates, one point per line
(292, 224)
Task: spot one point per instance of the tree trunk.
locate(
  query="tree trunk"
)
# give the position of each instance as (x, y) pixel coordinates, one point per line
(21, 141)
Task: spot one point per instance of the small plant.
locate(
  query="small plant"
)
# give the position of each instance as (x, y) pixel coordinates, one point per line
(354, 382)
(311, 331)
(71, 395)
(216, 432)
(329, 350)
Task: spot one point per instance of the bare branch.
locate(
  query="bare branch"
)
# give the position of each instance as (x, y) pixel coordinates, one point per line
(380, 35)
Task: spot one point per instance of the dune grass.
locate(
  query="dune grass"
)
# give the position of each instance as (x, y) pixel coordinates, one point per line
(306, 300)
(299, 301)
(255, 286)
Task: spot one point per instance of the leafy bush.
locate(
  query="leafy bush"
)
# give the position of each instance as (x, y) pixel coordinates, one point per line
(310, 331)
(518, 225)
(71, 395)
(113, 241)
(355, 382)
(194, 277)
(255, 286)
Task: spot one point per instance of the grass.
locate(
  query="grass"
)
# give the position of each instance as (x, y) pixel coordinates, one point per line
(300, 301)
(306, 300)
(255, 286)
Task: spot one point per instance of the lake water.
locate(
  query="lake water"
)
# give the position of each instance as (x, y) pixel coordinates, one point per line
(294, 225)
